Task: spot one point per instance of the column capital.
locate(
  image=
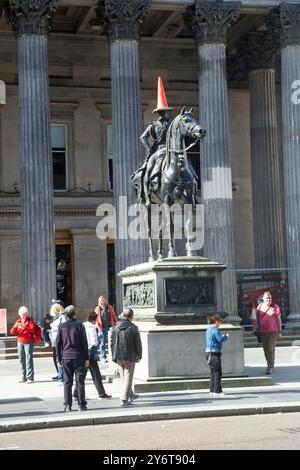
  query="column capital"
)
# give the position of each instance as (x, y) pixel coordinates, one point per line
(30, 17)
(237, 72)
(210, 21)
(122, 19)
(258, 57)
(290, 24)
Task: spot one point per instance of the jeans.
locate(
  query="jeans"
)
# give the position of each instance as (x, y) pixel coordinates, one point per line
(71, 367)
(103, 338)
(215, 374)
(96, 376)
(25, 352)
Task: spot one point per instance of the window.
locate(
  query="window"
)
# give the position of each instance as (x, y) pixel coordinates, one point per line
(109, 157)
(59, 156)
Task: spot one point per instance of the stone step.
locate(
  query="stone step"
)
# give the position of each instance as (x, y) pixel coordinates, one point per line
(196, 384)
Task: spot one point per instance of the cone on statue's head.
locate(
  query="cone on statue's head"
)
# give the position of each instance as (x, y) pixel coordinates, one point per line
(162, 104)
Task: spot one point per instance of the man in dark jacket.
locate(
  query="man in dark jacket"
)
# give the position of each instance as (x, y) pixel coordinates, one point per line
(126, 349)
(72, 354)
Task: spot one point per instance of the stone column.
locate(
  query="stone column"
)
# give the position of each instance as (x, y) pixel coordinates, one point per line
(290, 83)
(30, 22)
(210, 22)
(122, 22)
(266, 183)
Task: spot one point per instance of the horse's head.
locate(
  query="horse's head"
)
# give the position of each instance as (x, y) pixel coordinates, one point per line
(189, 126)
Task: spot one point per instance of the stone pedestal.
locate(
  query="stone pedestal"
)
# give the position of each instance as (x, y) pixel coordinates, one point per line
(171, 300)
(174, 291)
(177, 352)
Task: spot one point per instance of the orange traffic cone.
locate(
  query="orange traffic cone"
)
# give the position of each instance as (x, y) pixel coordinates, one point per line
(162, 104)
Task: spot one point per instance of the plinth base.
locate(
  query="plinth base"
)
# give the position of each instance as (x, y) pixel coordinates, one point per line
(177, 352)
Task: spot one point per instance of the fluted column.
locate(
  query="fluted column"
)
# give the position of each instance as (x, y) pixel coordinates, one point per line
(30, 23)
(290, 76)
(266, 182)
(210, 22)
(122, 22)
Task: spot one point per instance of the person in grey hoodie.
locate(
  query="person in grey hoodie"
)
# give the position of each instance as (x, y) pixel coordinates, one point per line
(126, 350)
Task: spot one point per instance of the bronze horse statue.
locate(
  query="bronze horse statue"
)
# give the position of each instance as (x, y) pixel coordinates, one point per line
(173, 179)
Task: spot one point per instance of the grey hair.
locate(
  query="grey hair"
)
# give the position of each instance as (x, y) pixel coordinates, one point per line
(70, 311)
(128, 313)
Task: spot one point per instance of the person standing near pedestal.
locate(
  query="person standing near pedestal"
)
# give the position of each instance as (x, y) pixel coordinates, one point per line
(126, 350)
(214, 344)
(106, 318)
(72, 355)
(29, 333)
(269, 324)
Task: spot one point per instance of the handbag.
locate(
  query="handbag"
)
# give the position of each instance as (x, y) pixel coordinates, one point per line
(257, 333)
(213, 361)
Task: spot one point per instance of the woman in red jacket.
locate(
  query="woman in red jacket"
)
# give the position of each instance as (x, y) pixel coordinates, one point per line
(29, 333)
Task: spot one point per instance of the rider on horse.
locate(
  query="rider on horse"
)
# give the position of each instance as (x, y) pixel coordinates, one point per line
(154, 139)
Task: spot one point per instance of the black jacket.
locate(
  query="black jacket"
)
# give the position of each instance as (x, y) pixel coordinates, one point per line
(125, 342)
(71, 341)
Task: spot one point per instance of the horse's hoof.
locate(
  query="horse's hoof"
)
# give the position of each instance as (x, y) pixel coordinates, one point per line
(150, 259)
(159, 258)
(171, 254)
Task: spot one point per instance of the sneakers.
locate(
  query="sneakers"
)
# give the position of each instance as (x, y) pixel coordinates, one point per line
(46, 345)
(269, 371)
(83, 408)
(55, 378)
(133, 397)
(67, 408)
(221, 394)
(22, 381)
(125, 403)
(105, 395)
(29, 381)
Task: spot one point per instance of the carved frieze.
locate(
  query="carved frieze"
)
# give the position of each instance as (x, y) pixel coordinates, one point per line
(210, 21)
(140, 294)
(122, 19)
(189, 292)
(31, 17)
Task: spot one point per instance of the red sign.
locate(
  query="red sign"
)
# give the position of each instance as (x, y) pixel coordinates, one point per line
(3, 322)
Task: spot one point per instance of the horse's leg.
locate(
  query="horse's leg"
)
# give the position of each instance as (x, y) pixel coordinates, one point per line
(170, 225)
(188, 231)
(159, 251)
(151, 254)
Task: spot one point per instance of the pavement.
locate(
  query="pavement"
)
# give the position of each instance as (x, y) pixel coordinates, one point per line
(40, 405)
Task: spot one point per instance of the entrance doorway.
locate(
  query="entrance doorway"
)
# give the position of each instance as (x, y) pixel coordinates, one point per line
(63, 264)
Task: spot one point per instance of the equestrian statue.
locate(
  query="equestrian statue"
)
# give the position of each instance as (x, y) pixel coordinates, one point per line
(166, 175)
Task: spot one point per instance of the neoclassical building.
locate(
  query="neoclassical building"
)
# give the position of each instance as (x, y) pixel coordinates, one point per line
(78, 86)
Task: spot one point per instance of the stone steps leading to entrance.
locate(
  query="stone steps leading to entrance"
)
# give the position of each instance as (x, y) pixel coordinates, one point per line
(290, 337)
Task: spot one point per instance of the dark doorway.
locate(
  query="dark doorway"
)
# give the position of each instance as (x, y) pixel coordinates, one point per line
(64, 273)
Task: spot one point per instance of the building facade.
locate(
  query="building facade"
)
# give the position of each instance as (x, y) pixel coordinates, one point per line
(80, 86)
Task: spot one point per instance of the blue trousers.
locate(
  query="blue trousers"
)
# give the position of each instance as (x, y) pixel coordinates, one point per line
(25, 353)
(103, 338)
